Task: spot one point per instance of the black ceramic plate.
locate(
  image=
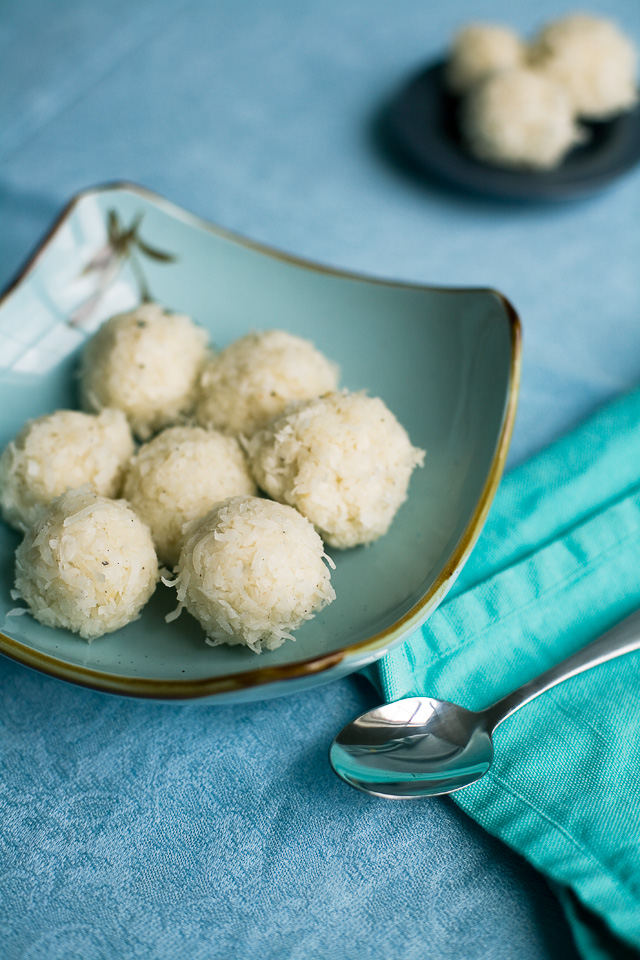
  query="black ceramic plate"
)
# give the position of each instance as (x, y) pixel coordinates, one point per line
(423, 120)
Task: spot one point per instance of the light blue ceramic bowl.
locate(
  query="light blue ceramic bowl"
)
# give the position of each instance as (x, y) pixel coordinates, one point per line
(445, 361)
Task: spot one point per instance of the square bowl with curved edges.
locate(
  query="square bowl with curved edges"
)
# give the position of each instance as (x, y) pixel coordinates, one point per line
(446, 362)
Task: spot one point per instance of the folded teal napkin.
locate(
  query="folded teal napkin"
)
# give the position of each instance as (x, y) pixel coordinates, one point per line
(557, 564)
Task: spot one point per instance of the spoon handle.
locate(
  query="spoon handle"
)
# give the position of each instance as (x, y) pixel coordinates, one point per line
(621, 639)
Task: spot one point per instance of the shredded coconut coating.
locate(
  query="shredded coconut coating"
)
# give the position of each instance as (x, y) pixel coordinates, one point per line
(343, 461)
(87, 565)
(479, 50)
(178, 477)
(254, 379)
(520, 118)
(145, 363)
(58, 452)
(593, 60)
(251, 572)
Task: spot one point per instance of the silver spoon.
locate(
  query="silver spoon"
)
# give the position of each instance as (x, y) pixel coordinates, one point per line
(421, 747)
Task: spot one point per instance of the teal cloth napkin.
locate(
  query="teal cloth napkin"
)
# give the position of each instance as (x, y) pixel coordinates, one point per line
(557, 564)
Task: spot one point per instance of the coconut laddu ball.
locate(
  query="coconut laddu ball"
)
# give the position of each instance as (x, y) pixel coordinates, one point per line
(58, 452)
(251, 572)
(479, 50)
(593, 60)
(179, 476)
(255, 377)
(343, 461)
(145, 363)
(87, 564)
(519, 118)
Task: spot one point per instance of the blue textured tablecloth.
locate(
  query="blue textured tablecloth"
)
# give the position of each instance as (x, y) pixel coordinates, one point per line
(151, 831)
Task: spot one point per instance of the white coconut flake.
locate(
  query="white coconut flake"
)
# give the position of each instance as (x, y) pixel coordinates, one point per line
(479, 50)
(520, 118)
(88, 565)
(174, 614)
(261, 581)
(342, 460)
(593, 60)
(145, 363)
(59, 452)
(255, 377)
(178, 477)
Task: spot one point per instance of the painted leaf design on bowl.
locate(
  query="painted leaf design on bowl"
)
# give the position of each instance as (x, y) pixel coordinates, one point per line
(124, 246)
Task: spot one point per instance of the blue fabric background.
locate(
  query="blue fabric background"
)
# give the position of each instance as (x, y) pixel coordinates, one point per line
(153, 831)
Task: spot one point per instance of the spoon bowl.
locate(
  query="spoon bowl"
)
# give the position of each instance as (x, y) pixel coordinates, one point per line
(417, 747)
